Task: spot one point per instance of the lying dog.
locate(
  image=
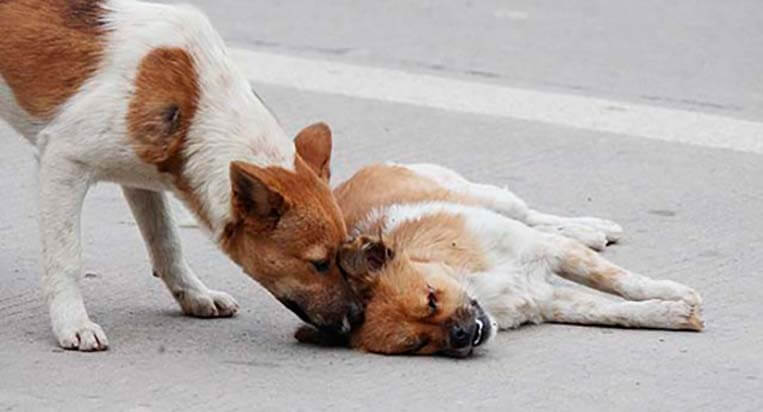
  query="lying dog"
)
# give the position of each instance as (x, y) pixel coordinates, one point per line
(434, 249)
(147, 96)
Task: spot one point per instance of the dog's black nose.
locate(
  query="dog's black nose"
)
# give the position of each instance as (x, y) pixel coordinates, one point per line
(461, 337)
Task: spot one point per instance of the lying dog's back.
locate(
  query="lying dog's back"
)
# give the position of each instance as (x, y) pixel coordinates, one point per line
(377, 186)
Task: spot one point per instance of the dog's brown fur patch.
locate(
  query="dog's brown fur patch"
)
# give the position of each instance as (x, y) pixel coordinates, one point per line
(440, 238)
(160, 113)
(400, 186)
(584, 266)
(48, 49)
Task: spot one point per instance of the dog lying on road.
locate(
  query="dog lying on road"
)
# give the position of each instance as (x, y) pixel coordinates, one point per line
(146, 96)
(440, 262)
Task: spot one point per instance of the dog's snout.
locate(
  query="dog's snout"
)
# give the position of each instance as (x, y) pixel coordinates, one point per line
(461, 336)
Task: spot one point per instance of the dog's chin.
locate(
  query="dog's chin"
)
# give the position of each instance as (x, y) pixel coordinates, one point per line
(458, 353)
(321, 337)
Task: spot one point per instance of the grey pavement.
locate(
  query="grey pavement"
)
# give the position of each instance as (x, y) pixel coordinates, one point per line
(690, 214)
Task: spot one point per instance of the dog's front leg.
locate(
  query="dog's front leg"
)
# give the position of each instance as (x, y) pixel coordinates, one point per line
(63, 185)
(154, 217)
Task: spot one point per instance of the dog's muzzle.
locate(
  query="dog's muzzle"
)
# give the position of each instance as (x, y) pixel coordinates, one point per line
(466, 336)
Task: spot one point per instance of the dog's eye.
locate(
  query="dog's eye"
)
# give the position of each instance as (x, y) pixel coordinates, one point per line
(321, 266)
(432, 298)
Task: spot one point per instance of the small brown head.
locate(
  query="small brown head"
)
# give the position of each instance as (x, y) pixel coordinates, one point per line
(410, 307)
(287, 230)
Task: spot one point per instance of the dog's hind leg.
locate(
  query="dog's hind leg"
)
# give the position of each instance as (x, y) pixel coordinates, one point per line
(63, 186)
(583, 308)
(573, 261)
(492, 197)
(154, 217)
(593, 232)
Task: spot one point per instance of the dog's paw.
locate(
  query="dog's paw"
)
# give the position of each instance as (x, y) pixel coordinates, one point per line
(85, 336)
(594, 239)
(206, 303)
(688, 294)
(610, 229)
(670, 290)
(684, 316)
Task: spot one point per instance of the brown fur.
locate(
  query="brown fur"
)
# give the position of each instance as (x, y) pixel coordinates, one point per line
(314, 142)
(160, 113)
(398, 316)
(275, 248)
(600, 275)
(48, 49)
(440, 238)
(401, 185)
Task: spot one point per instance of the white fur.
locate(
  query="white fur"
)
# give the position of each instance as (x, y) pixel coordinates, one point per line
(527, 255)
(87, 141)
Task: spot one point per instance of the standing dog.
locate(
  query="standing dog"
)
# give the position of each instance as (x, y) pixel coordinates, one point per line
(147, 96)
(433, 249)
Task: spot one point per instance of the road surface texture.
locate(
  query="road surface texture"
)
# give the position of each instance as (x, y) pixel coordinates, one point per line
(691, 211)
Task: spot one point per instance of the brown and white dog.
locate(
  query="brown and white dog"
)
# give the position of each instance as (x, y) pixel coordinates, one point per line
(433, 249)
(147, 96)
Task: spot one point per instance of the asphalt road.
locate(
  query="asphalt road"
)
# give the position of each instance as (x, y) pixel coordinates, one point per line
(691, 213)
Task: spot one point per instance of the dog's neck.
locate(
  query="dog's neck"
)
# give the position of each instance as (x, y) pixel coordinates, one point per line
(205, 185)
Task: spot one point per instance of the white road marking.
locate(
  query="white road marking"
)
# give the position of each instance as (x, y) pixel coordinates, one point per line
(701, 129)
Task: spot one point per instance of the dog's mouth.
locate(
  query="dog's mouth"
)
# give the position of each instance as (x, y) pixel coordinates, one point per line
(479, 333)
(486, 326)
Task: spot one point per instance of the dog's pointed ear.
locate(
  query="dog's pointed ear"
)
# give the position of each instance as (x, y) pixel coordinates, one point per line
(255, 199)
(361, 260)
(313, 144)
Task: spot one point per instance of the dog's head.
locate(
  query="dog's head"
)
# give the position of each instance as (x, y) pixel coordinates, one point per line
(410, 307)
(287, 230)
